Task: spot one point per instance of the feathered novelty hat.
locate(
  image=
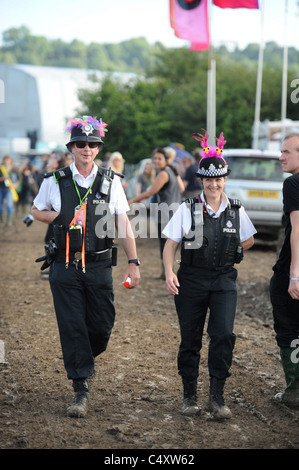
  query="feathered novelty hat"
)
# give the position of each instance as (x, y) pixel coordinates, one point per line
(86, 129)
(212, 164)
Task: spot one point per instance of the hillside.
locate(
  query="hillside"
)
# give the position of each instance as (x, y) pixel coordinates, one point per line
(134, 55)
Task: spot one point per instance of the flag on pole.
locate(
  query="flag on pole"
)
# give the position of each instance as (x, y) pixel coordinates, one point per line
(189, 19)
(236, 3)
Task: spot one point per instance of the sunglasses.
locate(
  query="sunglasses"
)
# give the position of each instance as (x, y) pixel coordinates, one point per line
(91, 145)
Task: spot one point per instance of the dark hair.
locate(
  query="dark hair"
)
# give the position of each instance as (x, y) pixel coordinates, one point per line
(160, 150)
(197, 154)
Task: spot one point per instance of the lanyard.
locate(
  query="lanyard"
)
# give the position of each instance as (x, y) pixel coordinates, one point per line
(81, 211)
(78, 192)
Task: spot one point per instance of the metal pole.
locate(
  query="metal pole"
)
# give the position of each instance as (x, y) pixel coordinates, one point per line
(284, 75)
(211, 84)
(258, 95)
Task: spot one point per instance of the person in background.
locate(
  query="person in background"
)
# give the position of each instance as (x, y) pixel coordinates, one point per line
(213, 232)
(106, 159)
(145, 179)
(29, 178)
(55, 162)
(68, 158)
(9, 181)
(192, 183)
(116, 162)
(171, 157)
(76, 200)
(167, 188)
(284, 284)
(186, 161)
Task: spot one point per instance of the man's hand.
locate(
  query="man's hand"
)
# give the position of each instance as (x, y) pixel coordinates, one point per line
(133, 273)
(293, 290)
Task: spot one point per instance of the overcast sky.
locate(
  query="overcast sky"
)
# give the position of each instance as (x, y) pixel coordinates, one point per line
(106, 21)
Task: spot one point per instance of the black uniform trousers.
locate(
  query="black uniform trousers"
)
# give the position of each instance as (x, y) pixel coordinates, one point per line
(285, 310)
(200, 290)
(84, 306)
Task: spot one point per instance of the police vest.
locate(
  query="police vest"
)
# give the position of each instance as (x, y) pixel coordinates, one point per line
(221, 245)
(97, 208)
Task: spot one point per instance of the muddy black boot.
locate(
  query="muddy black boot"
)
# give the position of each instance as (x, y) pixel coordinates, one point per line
(216, 403)
(78, 407)
(290, 397)
(190, 406)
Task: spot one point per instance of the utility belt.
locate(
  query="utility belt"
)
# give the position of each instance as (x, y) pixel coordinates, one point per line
(205, 272)
(89, 257)
(52, 253)
(76, 257)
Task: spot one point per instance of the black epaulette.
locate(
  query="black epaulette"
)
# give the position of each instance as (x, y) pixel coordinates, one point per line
(235, 203)
(110, 173)
(47, 175)
(192, 200)
(66, 171)
(58, 174)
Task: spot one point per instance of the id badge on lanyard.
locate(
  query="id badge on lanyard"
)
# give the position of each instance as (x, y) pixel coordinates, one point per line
(78, 215)
(78, 221)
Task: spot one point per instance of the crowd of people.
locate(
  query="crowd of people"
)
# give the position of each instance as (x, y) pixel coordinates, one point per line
(20, 179)
(212, 230)
(20, 182)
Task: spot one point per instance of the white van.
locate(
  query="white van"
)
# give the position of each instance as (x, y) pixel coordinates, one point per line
(256, 179)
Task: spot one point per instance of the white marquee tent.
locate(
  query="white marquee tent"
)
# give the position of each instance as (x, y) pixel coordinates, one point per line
(37, 99)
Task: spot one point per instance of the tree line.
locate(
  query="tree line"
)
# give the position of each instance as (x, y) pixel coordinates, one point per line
(167, 100)
(170, 103)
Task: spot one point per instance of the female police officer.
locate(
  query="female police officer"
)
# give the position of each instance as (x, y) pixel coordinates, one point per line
(76, 200)
(213, 231)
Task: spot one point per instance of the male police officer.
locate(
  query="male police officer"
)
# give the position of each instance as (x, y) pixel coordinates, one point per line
(75, 200)
(284, 285)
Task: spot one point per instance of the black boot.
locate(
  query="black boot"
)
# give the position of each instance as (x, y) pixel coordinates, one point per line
(216, 403)
(290, 397)
(190, 406)
(78, 407)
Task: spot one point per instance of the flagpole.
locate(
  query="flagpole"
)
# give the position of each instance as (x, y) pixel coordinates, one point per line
(211, 82)
(284, 75)
(258, 94)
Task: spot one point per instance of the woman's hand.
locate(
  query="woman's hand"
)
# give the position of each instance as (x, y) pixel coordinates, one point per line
(172, 283)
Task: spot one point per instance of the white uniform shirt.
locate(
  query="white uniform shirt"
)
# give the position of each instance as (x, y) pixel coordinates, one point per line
(180, 224)
(49, 193)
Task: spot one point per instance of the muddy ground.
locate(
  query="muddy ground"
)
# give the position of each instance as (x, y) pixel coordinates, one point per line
(136, 396)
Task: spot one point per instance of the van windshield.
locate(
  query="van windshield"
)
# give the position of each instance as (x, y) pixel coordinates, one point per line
(253, 168)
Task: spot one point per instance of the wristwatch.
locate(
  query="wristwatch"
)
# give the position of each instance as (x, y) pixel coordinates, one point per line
(135, 261)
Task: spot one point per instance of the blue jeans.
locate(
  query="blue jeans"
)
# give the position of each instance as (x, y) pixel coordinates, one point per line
(6, 195)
